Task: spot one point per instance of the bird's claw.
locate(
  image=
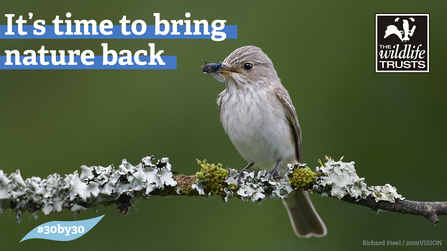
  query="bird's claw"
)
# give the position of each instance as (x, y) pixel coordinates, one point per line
(274, 173)
(239, 177)
(241, 172)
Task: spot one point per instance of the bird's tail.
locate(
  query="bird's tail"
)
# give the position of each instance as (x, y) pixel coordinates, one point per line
(305, 220)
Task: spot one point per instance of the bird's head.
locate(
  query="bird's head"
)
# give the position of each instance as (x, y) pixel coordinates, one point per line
(248, 65)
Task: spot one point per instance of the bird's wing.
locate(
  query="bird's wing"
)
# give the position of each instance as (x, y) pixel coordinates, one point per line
(219, 104)
(284, 97)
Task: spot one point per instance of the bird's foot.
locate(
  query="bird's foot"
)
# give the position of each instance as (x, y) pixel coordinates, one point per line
(243, 170)
(274, 172)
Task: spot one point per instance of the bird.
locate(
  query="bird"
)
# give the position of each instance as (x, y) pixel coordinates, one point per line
(257, 113)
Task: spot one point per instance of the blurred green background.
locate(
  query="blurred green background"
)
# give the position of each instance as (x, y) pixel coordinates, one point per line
(392, 125)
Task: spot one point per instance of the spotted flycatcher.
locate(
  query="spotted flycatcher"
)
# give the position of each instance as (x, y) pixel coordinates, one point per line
(258, 115)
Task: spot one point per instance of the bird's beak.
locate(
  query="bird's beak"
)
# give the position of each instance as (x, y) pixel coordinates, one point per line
(225, 69)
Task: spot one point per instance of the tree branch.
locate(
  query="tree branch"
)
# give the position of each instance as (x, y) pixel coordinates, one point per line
(99, 185)
(429, 210)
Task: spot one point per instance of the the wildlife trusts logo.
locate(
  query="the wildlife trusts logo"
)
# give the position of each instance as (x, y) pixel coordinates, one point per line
(402, 42)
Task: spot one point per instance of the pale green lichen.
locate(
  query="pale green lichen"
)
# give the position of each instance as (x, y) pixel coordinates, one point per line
(258, 186)
(95, 185)
(386, 193)
(340, 179)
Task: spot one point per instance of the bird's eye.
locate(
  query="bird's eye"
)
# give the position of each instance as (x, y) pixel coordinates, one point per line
(248, 66)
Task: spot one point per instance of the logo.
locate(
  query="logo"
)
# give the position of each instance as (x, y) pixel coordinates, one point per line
(62, 230)
(402, 42)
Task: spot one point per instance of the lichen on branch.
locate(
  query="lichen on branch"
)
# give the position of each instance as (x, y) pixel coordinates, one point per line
(97, 185)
